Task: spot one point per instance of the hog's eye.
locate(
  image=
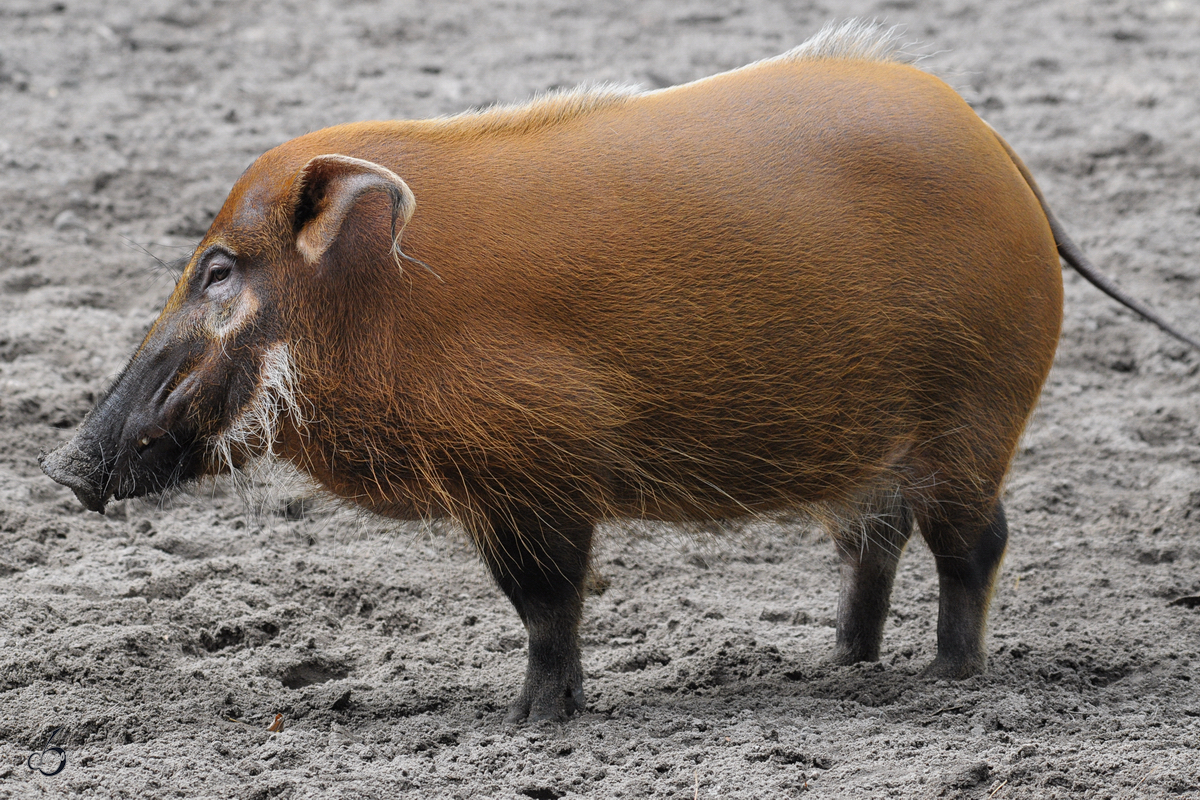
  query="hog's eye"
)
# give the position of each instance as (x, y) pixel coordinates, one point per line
(219, 270)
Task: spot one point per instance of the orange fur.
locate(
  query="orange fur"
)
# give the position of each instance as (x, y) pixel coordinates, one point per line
(734, 296)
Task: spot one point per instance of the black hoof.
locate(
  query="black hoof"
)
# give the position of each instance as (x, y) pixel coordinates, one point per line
(954, 669)
(845, 657)
(555, 705)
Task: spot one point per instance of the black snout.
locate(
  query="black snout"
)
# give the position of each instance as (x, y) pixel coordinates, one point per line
(126, 467)
(73, 468)
(137, 440)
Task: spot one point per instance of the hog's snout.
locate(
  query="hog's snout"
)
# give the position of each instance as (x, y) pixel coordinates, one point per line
(81, 473)
(138, 439)
(117, 464)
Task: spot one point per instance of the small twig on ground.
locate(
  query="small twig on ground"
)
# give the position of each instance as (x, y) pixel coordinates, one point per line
(944, 709)
(996, 791)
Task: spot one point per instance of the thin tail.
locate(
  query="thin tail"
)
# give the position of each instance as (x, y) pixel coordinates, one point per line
(1073, 255)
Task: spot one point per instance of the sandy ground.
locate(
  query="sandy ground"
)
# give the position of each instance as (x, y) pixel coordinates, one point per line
(165, 637)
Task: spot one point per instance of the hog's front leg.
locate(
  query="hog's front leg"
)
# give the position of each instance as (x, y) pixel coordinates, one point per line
(541, 564)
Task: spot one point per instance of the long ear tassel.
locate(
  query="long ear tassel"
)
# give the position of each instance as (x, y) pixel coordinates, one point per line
(398, 204)
(397, 251)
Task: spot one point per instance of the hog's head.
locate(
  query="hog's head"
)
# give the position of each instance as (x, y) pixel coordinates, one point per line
(214, 383)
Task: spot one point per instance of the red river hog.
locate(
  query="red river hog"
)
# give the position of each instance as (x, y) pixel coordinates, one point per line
(817, 283)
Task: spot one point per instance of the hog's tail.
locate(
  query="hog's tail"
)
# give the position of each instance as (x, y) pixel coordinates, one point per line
(1073, 255)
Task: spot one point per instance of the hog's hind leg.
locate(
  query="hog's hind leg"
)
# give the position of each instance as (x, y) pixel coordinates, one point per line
(541, 565)
(968, 549)
(869, 552)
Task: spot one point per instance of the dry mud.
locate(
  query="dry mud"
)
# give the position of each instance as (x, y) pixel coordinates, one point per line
(165, 637)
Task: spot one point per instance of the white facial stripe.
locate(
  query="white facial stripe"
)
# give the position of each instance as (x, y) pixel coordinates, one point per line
(256, 429)
(228, 320)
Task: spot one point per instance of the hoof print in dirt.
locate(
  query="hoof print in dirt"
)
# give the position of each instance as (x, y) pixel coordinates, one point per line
(311, 672)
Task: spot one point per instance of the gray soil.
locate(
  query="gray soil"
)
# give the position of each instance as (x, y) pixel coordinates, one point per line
(165, 637)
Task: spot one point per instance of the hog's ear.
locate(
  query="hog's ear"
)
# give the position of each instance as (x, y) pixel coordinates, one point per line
(327, 189)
